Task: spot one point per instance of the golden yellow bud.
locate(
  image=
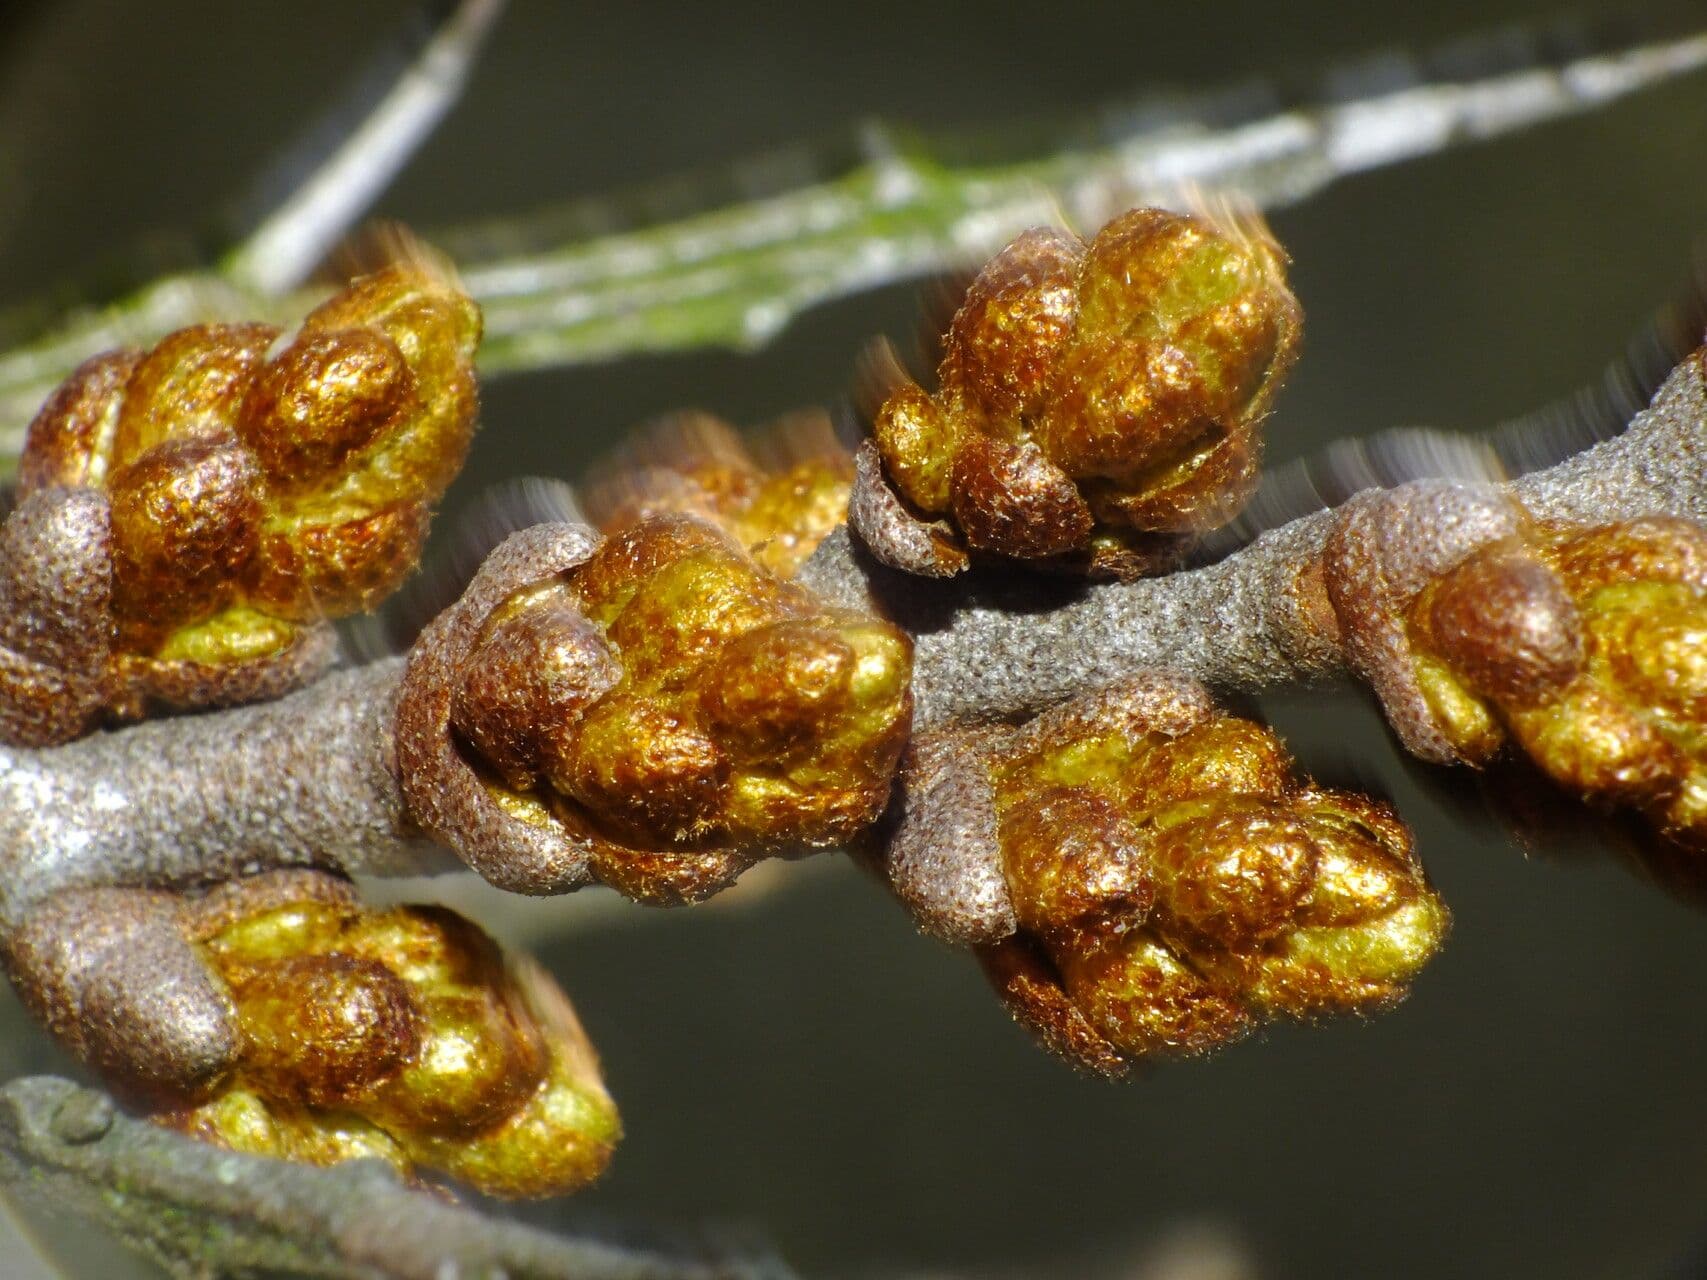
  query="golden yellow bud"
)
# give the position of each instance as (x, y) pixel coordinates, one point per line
(1143, 876)
(400, 1034)
(1096, 401)
(655, 712)
(1587, 649)
(252, 491)
(778, 493)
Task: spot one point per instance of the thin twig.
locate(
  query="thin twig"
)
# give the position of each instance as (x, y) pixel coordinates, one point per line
(992, 647)
(205, 1212)
(279, 254)
(736, 276)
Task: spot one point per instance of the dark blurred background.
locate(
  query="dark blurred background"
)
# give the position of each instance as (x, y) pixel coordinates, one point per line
(800, 1066)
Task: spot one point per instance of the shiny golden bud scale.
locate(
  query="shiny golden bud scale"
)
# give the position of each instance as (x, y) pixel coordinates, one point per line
(1587, 649)
(778, 493)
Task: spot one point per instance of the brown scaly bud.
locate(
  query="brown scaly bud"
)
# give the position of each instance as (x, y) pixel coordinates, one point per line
(399, 1034)
(778, 493)
(1097, 402)
(216, 498)
(1585, 648)
(656, 712)
(1142, 876)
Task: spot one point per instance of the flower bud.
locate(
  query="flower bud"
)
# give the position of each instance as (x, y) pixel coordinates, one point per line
(1583, 648)
(185, 521)
(399, 1034)
(1164, 882)
(1504, 621)
(777, 493)
(536, 669)
(254, 486)
(1074, 864)
(655, 712)
(1096, 402)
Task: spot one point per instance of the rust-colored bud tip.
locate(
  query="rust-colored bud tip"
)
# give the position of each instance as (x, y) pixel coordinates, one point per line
(254, 484)
(1145, 879)
(1096, 402)
(398, 1034)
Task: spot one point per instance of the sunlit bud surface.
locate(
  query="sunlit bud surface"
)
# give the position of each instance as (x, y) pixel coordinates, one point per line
(199, 509)
(399, 1034)
(1097, 401)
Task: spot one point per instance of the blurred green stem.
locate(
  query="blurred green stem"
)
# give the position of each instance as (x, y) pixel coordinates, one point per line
(735, 276)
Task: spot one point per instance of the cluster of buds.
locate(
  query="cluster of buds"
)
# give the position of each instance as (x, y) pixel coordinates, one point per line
(655, 711)
(188, 516)
(658, 702)
(778, 493)
(1096, 402)
(1586, 648)
(342, 1032)
(1142, 876)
